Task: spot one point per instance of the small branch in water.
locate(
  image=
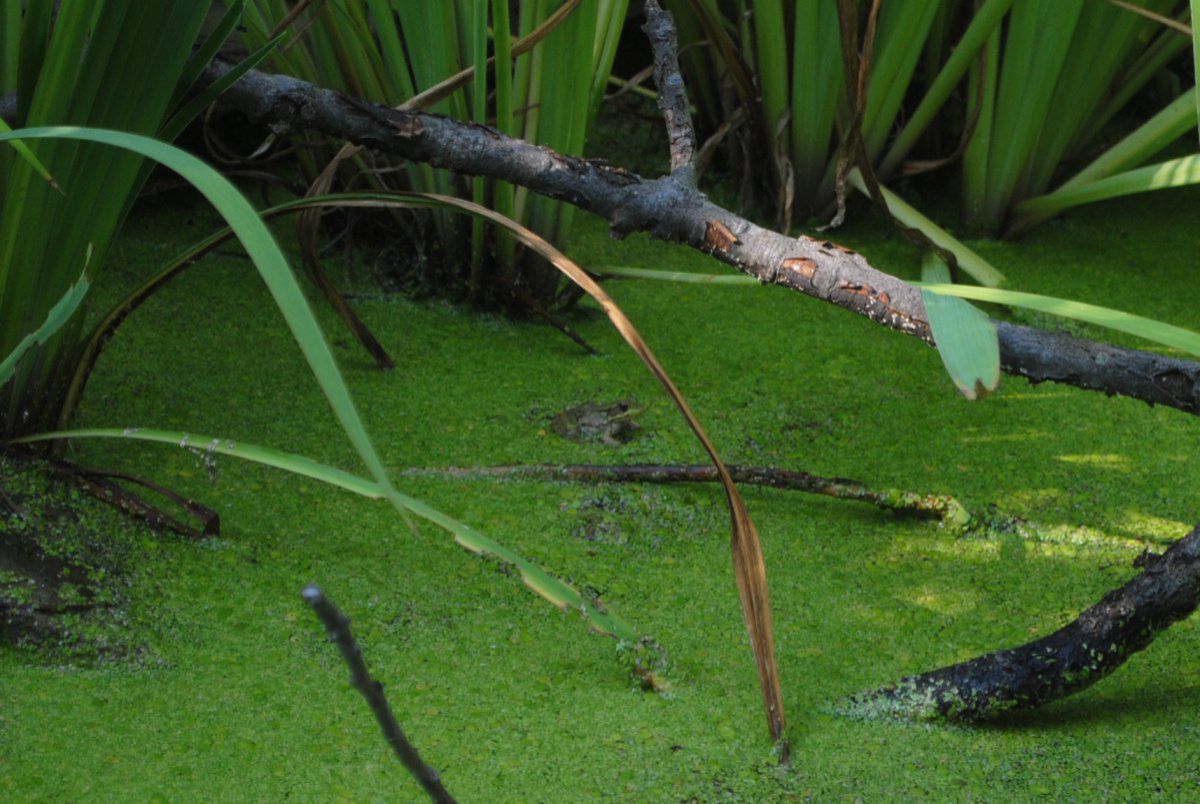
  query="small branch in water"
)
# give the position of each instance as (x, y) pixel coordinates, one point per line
(337, 625)
(1125, 621)
(945, 509)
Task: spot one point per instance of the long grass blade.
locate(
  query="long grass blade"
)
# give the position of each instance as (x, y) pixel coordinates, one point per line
(267, 257)
(1038, 38)
(1173, 173)
(984, 22)
(1148, 328)
(749, 567)
(59, 314)
(977, 267)
(562, 595)
(1196, 51)
(30, 158)
(198, 103)
(209, 48)
(685, 277)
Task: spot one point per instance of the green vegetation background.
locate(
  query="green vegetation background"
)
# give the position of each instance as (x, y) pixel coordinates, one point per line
(234, 694)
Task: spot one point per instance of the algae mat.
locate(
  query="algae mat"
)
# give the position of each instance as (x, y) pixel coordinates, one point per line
(233, 694)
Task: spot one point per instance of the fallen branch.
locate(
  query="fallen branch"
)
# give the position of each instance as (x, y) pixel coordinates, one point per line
(338, 627)
(945, 509)
(1071, 659)
(671, 209)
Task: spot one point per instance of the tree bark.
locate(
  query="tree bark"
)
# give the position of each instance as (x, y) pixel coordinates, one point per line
(1071, 659)
(672, 209)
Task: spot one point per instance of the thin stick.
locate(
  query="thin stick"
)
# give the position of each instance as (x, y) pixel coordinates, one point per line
(672, 97)
(945, 509)
(337, 625)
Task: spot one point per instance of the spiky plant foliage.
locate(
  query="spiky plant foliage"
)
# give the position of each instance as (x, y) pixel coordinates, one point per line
(1020, 90)
(539, 72)
(114, 64)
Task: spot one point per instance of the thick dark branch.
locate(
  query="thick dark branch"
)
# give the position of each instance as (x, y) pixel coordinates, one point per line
(945, 509)
(338, 627)
(672, 95)
(665, 208)
(1040, 356)
(1073, 658)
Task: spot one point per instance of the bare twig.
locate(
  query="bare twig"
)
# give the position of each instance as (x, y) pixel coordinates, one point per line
(672, 95)
(338, 627)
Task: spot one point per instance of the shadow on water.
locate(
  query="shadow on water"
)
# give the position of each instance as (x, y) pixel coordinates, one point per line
(1144, 704)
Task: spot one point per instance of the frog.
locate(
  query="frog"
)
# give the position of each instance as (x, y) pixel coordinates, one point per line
(609, 423)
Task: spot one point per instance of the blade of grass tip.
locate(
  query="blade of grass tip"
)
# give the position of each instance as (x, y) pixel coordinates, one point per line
(1165, 175)
(977, 267)
(23, 150)
(749, 566)
(59, 314)
(1157, 331)
(966, 338)
(558, 593)
(197, 104)
(209, 48)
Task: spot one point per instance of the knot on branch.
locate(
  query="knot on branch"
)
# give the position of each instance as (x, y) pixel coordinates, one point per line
(653, 206)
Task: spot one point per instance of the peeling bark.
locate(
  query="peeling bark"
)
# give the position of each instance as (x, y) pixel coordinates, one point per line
(1071, 659)
(671, 209)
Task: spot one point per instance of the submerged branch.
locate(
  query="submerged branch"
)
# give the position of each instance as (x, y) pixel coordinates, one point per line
(337, 625)
(1071, 659)
(673, 210)
(945, 509)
